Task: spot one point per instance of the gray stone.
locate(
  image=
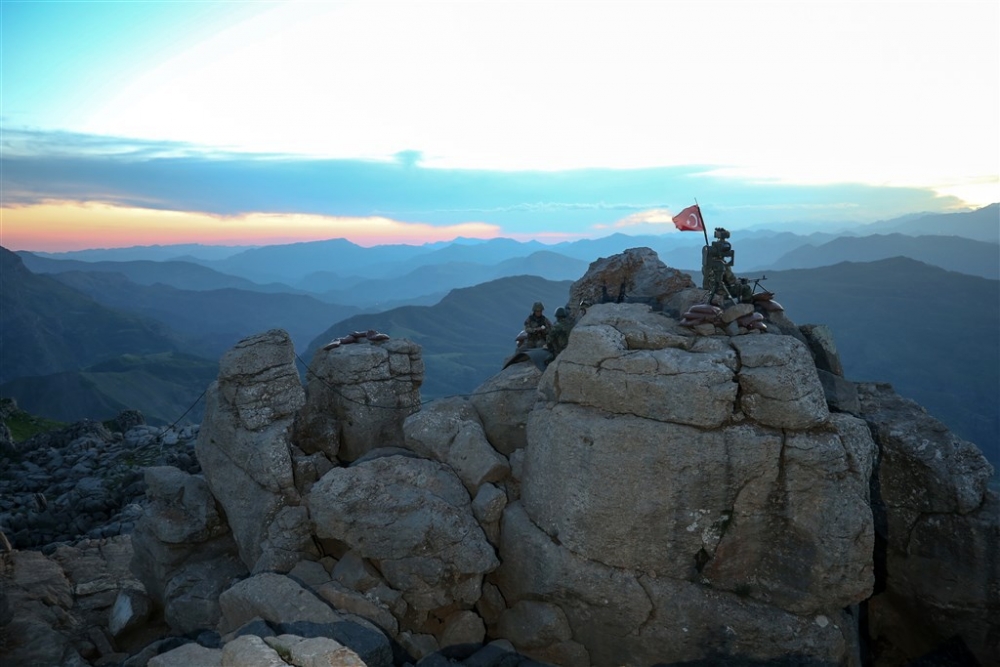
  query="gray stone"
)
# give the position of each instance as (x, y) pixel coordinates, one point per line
(607, 488)
(625, 360)
(250, 651)
(942, 532)
(132, 609)
(414, 517)
(841, 395)
(530, 624)
(462, 627)
(823, 348)
(358, 397)
(188, 655)
(449, 431)
(779, 386)
(275, 598)
(503, 403)
(244, 442)
(637, 274)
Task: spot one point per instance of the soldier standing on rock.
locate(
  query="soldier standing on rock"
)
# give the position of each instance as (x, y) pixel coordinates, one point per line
(716, 267)
(537, 326)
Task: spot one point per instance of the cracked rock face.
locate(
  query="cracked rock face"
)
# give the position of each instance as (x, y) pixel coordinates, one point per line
(244, 443)
(694, 473)
(941, 530)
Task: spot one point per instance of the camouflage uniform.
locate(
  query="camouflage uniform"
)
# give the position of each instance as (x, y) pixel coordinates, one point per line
(536, 326)
(716, 272)
(558, 336)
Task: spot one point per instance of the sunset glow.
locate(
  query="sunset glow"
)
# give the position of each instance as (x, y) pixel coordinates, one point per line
(64, 226)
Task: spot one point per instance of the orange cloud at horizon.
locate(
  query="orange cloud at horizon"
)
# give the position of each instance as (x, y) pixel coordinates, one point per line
(65, 226)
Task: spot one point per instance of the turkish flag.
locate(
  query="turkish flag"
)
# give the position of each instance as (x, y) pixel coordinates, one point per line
(689, 220)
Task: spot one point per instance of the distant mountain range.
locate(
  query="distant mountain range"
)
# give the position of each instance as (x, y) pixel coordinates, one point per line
(84, 337)
(67, 357)
(953, 253)
(983, 224)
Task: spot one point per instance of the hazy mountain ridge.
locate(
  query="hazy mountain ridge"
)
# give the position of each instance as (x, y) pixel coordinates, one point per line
(331, 267)
(923, 329)
(183, 275)
(214, 320)
(982, 224)
(952, 253)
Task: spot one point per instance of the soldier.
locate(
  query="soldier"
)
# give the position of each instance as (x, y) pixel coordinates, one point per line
(716, 268)
(537, 326)
(558, 336)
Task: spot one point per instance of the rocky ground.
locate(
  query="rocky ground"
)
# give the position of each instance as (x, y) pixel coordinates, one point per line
(84, 481)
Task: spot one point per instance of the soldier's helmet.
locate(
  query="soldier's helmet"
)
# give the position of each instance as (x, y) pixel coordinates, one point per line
(561, 313)
(537, 307)
(721, 233)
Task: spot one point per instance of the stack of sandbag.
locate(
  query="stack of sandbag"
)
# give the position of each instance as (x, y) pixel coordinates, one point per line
(752, 322)
(766, 301)
(701, 315)
(355, 337)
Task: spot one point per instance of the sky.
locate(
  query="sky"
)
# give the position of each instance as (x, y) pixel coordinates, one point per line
(247, 123)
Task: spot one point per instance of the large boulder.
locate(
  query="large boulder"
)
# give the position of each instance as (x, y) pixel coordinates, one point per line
(244, 449)
(503, 403)
(358, 396)
(412, 516)
(449, 431)
(630, 617)
(626, 360)
(635, 275)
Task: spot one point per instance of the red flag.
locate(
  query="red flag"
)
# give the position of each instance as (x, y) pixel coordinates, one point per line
(689, 220)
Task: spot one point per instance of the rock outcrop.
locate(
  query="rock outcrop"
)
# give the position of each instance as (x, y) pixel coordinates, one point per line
(244, 448)
(939, 528)
(660, 493)
(694, 473)
(358, 397)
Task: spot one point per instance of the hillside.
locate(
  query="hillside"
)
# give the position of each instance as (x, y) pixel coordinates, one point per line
(165, 387)
(466, 336)
(47, 327)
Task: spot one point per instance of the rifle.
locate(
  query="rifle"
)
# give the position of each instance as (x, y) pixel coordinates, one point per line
(756, 282)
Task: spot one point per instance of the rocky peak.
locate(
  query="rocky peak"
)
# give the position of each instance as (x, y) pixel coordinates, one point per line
(660, 493)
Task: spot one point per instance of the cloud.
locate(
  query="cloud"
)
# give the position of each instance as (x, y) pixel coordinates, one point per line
(173, 176)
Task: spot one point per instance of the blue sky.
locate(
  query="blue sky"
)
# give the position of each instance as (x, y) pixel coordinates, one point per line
(549, 120)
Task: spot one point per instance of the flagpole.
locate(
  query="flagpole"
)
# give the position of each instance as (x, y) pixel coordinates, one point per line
(704, 227)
